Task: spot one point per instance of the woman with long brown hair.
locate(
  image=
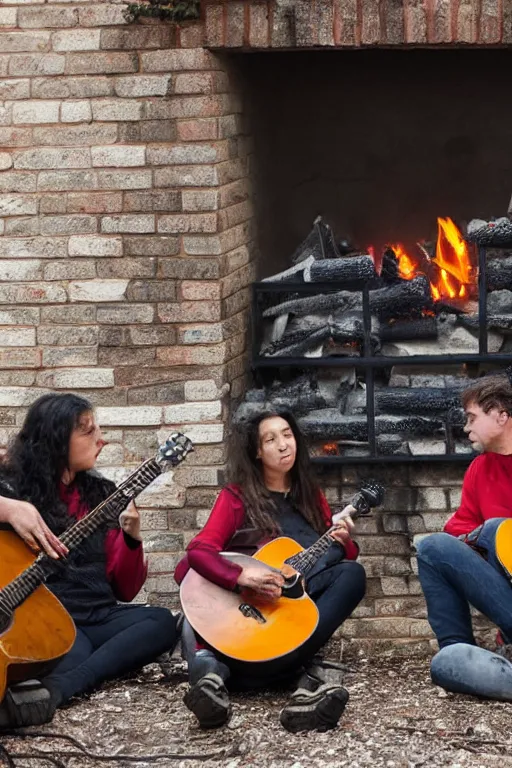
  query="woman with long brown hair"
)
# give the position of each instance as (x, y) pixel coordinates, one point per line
(272, 492)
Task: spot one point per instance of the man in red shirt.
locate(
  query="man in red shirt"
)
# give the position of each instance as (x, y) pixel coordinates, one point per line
(459, 568)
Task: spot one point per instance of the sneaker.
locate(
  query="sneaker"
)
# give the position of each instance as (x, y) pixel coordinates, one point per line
(26, 703)
(209, 701)
(320, 671)
(318, 710)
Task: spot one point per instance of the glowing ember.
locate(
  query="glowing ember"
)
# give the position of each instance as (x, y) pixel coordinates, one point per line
(330, 449)
(455, 272)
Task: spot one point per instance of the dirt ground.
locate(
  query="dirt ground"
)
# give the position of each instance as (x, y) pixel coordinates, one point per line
(395, 719)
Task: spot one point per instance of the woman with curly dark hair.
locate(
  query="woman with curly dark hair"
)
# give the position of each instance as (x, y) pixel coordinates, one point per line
(46, 485)
(271, 493)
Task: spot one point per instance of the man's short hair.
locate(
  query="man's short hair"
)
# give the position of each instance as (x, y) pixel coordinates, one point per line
(490, 392)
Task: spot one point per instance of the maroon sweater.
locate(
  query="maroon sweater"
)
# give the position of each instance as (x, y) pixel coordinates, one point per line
(226, 518)
(486, 493)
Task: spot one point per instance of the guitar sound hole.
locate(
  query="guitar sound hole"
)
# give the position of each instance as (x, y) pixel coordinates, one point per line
(250, 612)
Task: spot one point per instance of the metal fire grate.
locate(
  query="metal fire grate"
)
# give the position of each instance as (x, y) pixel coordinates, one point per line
(261, 365)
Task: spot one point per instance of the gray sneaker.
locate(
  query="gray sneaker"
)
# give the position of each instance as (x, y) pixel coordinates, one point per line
(26, 703)
(209, 701)
(318, 710)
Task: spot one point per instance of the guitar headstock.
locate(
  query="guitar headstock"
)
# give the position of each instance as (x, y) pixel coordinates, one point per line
(174, 450)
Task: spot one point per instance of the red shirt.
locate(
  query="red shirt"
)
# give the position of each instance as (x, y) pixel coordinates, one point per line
(126, 569)
(486, 493)
(226, 517)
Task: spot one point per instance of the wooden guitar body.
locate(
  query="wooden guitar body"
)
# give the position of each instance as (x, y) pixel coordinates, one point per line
(41, 629)
(243, 626)
(503, 545)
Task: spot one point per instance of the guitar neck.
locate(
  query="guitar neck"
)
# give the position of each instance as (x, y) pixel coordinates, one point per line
(109, 510)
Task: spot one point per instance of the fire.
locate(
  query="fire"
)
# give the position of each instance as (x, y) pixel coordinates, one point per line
(454, 271)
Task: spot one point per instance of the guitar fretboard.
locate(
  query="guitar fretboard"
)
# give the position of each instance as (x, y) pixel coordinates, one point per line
(12, 595)
(304, 561)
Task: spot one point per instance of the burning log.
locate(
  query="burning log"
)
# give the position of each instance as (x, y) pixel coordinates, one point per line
(498, 232)
(341, 270)
(417, 400)
(390, 270)
(497, 322)
(423, 328)
(330, 424)
(499, 273)
(320, 303)
(406, 298)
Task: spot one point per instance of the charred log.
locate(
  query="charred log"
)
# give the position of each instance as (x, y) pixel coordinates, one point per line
(320, 243)
(390, 272)
(295, 273)
(499, 273)
(423, 328)
(408, 298)
(297, 343)
(497, 233)
(321, 302)
(341, 270)
(391, 445)
(299, 396)
(496, 322)
(416, 400)
(330, 424)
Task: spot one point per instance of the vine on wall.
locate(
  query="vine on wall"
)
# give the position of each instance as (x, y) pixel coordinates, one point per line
(170, 10)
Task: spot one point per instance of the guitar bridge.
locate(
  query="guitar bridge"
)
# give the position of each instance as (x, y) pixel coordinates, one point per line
(250, 612)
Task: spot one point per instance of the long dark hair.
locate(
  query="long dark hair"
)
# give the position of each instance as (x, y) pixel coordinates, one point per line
(245, 470)
(38, 456)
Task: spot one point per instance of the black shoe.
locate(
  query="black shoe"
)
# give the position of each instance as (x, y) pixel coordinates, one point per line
(27, 703)
(209, 701)
(204, 662)
(318, 710)
(320, 671)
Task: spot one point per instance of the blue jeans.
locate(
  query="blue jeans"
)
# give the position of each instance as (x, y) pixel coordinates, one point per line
(453, 576)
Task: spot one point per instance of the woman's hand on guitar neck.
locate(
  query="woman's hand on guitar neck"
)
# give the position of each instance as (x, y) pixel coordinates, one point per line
(341, 529)
(30, 526)
(265, 583)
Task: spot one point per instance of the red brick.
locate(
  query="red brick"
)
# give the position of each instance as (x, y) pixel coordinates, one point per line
(346, 31)
(95, 202)
(235, 24)
(191, 35)
(440, 22)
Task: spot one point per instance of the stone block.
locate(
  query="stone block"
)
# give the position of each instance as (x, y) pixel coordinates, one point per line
(20, 226)
(13, 42)
(180, 223)
(60, 181)
(100, 63)
(201, 390)
(17, 337)
(19, 358)
(192, 59)
(186, 176)
(137, 37)
(98, 290)
(116, 109)
(153, 200)
(133, 416)
(135, 179)
(56, 357)
(95, 246)
(68, 225)
(101, 15)
(128, 313)
(17, 205)
(159, 564)
(156, 394)
(201, 129)
(5, 161)
(8, 17)
(151, 290)
(163, 493)
(191, 412)
(52, 204)
(14, 88)
(413, 607)
(186, 269)
(126, 356)
(99, 202)
(67, 335)
(189, 311)
(151, 246)
(44, 158)
(209, 333)
(35, 112)
(17, 182)
(77, 269)
(75, 313)
(186, 154)
(156, 130)
(31, 293)
(45, 16)
(76, 112)
(127, 268)
(128, 223)
(396, 566)
(76, 40)
(200, 434)
(21, 316)
(20, 396)
(81, 378)
(118, 156)
(142, 85)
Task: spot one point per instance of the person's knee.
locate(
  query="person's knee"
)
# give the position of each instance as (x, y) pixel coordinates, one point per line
(357, 578)
(435, 547)
(444, 661)
(166, 624)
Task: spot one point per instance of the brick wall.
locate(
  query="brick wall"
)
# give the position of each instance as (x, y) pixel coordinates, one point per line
(127, 250)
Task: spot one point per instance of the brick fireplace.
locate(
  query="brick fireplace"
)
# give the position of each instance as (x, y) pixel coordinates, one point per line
(150, 172)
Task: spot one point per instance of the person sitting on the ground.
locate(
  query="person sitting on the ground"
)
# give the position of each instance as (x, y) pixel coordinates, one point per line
(459, 568)
(272, 493)
(46, 485)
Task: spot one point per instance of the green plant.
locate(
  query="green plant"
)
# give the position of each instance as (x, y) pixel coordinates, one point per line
(170, 10)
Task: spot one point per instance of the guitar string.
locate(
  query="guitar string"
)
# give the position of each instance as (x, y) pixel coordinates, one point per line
(27, 582)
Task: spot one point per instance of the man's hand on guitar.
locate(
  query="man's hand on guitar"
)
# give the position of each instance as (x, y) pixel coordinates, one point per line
(30, 526)
(129, 520)
(265, 583)
(341, 529)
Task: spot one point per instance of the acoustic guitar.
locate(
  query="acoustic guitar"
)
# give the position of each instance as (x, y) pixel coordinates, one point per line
(35, 628)
(246, 627)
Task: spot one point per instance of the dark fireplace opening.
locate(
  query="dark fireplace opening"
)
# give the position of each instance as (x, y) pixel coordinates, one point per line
(379, 142)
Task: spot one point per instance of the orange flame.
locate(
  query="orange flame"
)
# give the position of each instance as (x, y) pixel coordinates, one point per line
(452, 257)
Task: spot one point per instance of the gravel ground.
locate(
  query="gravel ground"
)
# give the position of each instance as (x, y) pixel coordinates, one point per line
(395, 719)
